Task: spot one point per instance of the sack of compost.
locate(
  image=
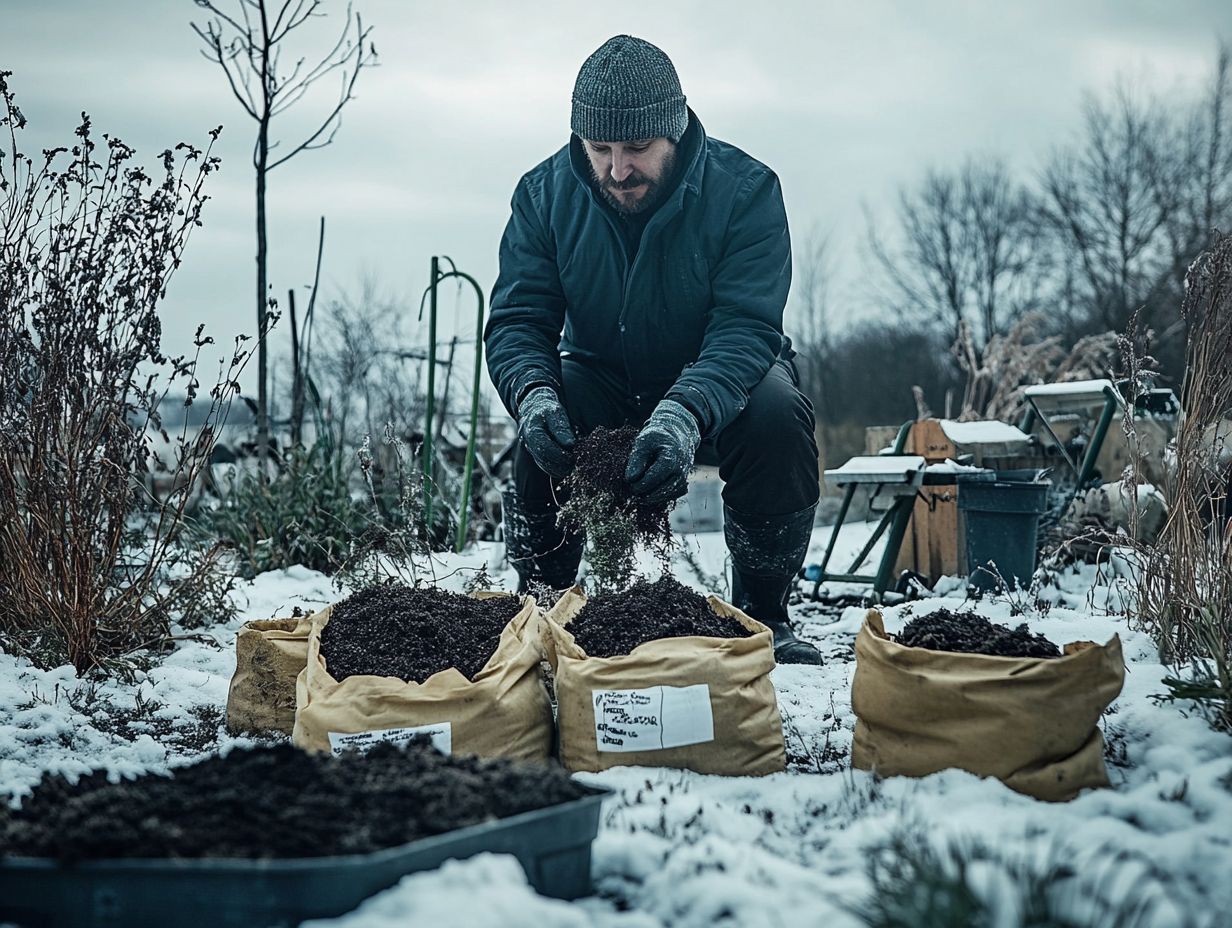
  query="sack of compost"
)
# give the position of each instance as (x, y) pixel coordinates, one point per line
(269, 655)
(651, 679)
(393, 662)
(1030, 721)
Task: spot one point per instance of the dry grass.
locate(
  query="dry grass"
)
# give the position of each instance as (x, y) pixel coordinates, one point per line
(1021, 357)
(1184, 580)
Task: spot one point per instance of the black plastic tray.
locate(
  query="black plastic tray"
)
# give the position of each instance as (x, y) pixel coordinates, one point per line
(552, 844)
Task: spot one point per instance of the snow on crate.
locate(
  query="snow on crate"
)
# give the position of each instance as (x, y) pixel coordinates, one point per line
(676, 848)
(988, 432)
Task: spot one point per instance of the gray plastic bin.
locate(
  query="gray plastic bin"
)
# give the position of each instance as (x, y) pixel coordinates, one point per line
(1002, 528)
(552, 844)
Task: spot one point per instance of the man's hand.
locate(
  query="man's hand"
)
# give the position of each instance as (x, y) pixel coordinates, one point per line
(543, 426)
(662, 454)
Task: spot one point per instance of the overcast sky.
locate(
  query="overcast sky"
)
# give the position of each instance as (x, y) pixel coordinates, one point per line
(845, 100)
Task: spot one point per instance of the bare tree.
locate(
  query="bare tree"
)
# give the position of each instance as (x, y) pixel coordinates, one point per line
(248, 46)
(1137, 199)
(1101, 200)
(1191, 174)
(968, 251)
(366, 384)
(812, 324)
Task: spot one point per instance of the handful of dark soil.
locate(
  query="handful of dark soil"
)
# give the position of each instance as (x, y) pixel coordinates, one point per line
(601, 505)
(413, 632)
(613, 624)
(971, 633)
(276, 802)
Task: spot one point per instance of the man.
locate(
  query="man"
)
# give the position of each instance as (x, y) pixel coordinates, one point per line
(642, 280)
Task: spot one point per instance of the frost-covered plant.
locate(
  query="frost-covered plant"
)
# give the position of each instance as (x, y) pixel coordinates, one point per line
(393, 544)
(88, 241)
(1183, 595)
(966, 883)
(304, 514)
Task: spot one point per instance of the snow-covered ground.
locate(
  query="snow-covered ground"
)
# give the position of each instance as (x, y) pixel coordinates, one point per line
(681, 849)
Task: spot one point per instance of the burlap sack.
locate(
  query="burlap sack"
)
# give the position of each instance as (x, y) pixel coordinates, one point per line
(705, 704)
(1030, 722)
(504, 712)
(269, 655)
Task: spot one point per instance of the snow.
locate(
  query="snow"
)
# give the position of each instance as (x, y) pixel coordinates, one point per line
(487, 891)
(950, 466)
(1070, 388)
(988, 432)
(681, 849)
(877, 469)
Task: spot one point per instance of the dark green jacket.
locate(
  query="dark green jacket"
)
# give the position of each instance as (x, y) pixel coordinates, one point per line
(696, 314)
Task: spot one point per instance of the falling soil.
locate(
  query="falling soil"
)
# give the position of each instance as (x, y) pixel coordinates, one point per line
(602, 458)
(601, 504)
(971, 633)
(276, 802)
(613, 624)
(413, 632)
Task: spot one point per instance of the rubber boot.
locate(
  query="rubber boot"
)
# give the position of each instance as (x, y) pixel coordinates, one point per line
(767, 553)
(537, 549)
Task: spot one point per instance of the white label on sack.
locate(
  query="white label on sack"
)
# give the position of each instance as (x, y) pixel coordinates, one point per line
(652, 719)
(440, 734)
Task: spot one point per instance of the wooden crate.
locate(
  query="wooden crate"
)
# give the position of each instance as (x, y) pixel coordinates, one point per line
(877, 437)
(928, 439)
(934, 546)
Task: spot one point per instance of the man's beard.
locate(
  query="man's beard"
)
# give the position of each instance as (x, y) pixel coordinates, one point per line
(656, 190)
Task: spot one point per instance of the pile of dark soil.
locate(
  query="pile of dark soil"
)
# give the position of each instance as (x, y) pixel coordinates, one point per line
(971, 633)
(601, 505)
(613, 624)
(276, 802)
(412, 633)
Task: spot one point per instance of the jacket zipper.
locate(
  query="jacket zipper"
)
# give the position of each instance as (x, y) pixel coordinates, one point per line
(630, 267)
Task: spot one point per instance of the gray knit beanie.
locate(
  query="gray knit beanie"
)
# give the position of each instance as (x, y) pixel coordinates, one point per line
(626, 91)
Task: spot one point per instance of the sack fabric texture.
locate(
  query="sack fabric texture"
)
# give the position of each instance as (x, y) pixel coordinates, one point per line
(269, 655)
(504, 712)
(692, 687)
(1030, 722)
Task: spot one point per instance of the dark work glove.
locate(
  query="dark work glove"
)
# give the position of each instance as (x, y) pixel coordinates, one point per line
(662, 454)
(543, 426)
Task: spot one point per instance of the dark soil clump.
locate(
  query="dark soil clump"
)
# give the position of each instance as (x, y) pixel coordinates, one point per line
(602, 457)
(601, 504)
(413, 632)
(971, 633)
(276, 802)
(613, 624)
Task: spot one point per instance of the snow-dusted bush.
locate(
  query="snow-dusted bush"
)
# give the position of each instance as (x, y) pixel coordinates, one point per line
(918, 882)
(1184, 580)
(88, 241)
(311, 512)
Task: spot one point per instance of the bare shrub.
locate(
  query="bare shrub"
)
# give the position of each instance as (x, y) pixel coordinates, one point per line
(393, 545)
(88, 241)
(1184, 581)
(364, 371)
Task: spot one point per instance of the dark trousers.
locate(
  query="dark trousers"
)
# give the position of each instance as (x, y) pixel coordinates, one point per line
(767, 455)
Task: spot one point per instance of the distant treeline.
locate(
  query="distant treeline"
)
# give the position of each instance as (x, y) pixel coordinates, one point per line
(1099, 234)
